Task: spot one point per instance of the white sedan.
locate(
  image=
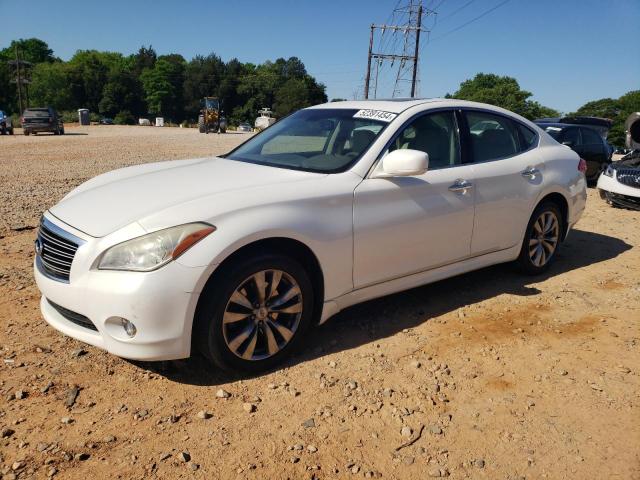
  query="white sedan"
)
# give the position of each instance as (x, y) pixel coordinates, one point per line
(238, 256)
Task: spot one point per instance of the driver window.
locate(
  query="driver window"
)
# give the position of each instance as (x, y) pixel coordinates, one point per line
(435, 134)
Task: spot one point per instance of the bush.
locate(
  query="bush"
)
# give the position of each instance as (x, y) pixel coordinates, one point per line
(94, 117)
(70, 117)
(124, 118)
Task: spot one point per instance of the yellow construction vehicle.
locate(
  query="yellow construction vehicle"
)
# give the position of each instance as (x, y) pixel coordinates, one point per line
(211, 118)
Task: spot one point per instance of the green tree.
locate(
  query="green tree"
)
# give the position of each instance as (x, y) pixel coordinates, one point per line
(31, 50)
(616, 110)
(291, 96)
(49, 86)
(163, 86)
(122, 92)
(503, 92)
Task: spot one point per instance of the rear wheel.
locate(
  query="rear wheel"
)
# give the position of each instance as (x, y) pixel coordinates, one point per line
(255, 313)
(201, 125)
(26, 132)
(541, 239)
(11, 131)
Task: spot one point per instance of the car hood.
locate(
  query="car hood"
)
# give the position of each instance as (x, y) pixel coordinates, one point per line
(118, 198)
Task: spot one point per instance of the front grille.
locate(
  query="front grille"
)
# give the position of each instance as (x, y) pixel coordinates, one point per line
(73, 317)
(628, 176)
(56, 252)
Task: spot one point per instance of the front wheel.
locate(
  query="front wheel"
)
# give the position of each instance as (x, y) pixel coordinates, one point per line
(541, 239)
(255, 313)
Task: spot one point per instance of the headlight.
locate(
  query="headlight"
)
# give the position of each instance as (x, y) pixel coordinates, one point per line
(155, 249)
(609, 171)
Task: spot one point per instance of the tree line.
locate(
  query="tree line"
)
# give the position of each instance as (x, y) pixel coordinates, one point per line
(145, 83)
(148, 84)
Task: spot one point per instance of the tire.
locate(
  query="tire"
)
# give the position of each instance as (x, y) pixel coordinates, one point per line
(26, 132)
(11, 131)
(226, 342)
(539, 248)
(201, 126)
(62, 131)
(56, 132)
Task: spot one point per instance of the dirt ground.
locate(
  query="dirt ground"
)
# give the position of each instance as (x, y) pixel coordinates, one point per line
(490, 375)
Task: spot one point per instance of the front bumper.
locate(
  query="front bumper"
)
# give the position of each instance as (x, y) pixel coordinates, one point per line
(617, 193)
(160, 304)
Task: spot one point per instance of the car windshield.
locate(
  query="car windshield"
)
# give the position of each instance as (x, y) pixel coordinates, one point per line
(211, 104)
(318, 140)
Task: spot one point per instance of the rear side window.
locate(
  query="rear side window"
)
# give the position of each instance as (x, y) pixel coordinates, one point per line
(590, 137)
(571, 136)
(527, 137)
(492, 136)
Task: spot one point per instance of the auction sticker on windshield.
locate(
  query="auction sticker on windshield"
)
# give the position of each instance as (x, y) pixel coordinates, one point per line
(375, 115)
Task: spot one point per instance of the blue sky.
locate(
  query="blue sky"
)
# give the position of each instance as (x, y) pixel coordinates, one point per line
(564, 51)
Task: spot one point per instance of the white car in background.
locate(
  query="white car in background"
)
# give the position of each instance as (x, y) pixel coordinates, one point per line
(238, 256)
(619, 183)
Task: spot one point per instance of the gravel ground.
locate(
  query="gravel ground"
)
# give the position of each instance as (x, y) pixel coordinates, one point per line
(489, 375)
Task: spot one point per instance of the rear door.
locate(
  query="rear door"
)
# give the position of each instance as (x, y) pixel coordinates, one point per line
(508, 177)
(594, 150)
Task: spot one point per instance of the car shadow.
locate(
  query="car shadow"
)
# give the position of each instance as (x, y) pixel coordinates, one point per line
(386, 316)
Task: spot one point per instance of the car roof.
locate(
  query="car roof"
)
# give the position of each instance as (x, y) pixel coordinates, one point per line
(399, 105)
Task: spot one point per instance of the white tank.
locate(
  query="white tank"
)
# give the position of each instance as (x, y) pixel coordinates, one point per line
(265, 119)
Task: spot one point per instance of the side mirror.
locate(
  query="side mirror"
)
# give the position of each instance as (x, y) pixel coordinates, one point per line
(403, 163)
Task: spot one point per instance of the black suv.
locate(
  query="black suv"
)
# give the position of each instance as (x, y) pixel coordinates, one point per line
(35, 120)
(5, 124)
(585, 140)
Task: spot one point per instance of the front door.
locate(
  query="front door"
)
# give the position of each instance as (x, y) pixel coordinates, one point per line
(406, 225)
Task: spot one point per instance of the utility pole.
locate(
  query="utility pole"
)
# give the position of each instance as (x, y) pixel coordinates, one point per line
(415, 55)
(368, 78)
(20, 79)
(409, 57)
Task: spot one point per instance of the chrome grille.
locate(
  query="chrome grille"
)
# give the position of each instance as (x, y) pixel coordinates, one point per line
(628, 176)
(55, 250)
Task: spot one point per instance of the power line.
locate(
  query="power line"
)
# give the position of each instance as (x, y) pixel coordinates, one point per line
(457, 10)
(460, 27)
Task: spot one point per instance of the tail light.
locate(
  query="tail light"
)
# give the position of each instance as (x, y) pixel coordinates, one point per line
(582, 165)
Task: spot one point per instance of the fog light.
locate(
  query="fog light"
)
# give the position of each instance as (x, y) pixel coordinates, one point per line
(129, 328)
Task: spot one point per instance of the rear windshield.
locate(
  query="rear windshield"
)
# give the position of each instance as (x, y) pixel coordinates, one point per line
(37, 112)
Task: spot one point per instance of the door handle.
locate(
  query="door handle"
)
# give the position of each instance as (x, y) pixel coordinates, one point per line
(461, 186)
(530, 173)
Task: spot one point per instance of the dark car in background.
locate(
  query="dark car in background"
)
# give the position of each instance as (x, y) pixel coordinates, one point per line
(5, 124)
(585, 140)
(36, 120)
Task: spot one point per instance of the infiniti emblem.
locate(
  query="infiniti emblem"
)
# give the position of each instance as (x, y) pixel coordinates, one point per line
(38, 246)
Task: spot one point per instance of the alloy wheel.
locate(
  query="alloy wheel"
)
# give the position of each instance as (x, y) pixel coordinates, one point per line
(544, 238)
(262, 315)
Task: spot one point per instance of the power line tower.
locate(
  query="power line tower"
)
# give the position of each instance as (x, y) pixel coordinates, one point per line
(21, 79)
(407, 57)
